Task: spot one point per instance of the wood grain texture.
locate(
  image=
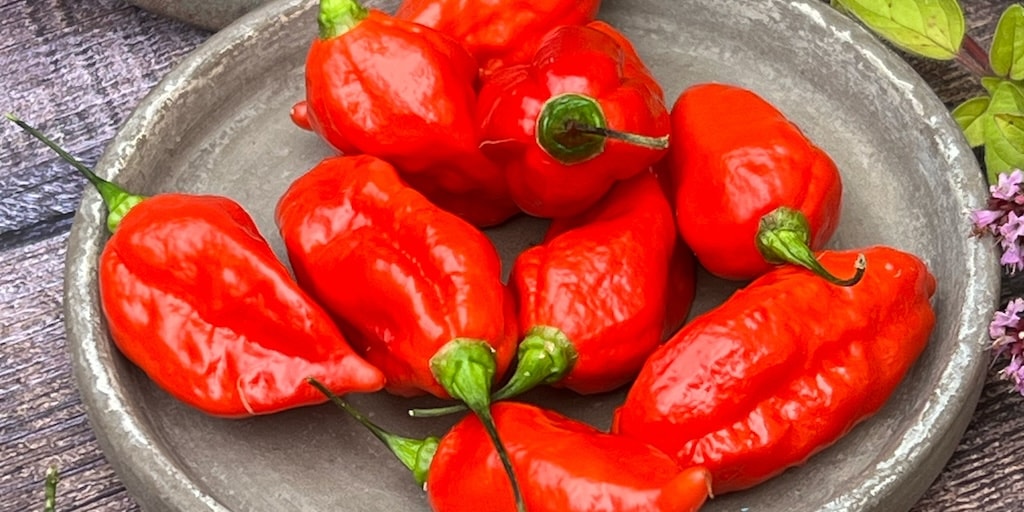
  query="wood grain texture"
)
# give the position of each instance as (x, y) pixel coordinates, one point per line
(76, 69)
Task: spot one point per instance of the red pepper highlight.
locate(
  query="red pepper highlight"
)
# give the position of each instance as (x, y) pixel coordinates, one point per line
(602, 278)
(194, 296)
(582, 115)
(783, 368)
(751, 189)
(401, 276)
(496, 33)
(567, 466)
(360, 99)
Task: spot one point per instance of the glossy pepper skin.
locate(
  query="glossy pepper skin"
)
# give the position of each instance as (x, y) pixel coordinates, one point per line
(783, 368)
(399, 274)
(194, 296)
(498, 33)
(602, 278)
(360, 99)
(546, 123)
(735, 158)
(566, 465)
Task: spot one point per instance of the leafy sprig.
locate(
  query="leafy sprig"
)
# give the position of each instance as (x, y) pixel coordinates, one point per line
(935, 29)
(994, 121)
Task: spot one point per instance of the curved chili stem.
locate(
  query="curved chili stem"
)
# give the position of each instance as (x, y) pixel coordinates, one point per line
(784, 236)
(339, 16)
(465, 368)
(572, 128)
(50, 489)
(415, 454)
(117, 200)
(631, 138)
(545, 356)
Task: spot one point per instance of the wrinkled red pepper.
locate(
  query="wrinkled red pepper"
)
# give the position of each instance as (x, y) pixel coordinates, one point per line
(194, 296)
(602, 280)
(416, 289)
(580, 116)
(598, 295)
(400, 275)
(360, 99)
(567, 466)
(751, 189)
(783, 368)
(498, 33)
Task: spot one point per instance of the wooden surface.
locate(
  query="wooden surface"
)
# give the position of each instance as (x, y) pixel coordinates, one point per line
(76, 69)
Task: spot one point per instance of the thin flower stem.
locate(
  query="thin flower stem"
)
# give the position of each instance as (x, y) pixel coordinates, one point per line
(974, 58)
(50, 489)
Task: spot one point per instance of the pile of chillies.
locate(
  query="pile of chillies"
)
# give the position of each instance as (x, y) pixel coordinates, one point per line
(455, 115)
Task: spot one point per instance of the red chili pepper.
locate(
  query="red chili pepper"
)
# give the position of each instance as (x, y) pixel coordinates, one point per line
(751, 189)
(404, 93)
(598, 295)
(568, 466)
(400, 275)
(783, 368)
(195, 297)
(498, 33)
(578, 118)
(417, 290)
(602, 279)
(632, 64)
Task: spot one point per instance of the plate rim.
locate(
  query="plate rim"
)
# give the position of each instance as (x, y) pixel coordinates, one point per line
(164, 485)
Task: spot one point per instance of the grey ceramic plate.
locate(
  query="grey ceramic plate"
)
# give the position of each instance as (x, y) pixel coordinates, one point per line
(208, 14)
(219, 124)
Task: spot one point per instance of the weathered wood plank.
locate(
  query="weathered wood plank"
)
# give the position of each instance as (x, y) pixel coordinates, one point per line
(77, 69)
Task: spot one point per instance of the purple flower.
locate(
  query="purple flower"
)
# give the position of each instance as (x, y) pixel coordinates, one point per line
(986, 220)
(1007, 318)
(1011, 258)
(1003, 218)
(1015, 370)
(1008, 341)
(1008, 185)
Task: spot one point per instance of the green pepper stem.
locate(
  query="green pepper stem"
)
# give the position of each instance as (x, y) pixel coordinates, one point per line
(572, 128)
(545, 356)
(784, 237)
(339, 16)
(50, 489)
(415, 454)
(465, 368)
(117, 200)
(630, 138)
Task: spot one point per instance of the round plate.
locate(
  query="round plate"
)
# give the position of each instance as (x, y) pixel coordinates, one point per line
(219, 124)
(209, 14)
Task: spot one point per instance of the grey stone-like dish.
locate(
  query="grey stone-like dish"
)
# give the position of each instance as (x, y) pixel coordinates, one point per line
(219, 124)
(209, 14)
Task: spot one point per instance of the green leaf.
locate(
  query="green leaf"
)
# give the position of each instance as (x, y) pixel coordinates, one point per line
(1004, 144)
(928, 28)
(969, 116)
(1008, 98)
(1007, 53)
(990, 83)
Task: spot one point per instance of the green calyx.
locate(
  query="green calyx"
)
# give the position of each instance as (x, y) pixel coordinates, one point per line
(117, 200)
(784, 236)
(415, 454)
(572, 128)
(339, 16)
(465, 368)
(545, 356)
